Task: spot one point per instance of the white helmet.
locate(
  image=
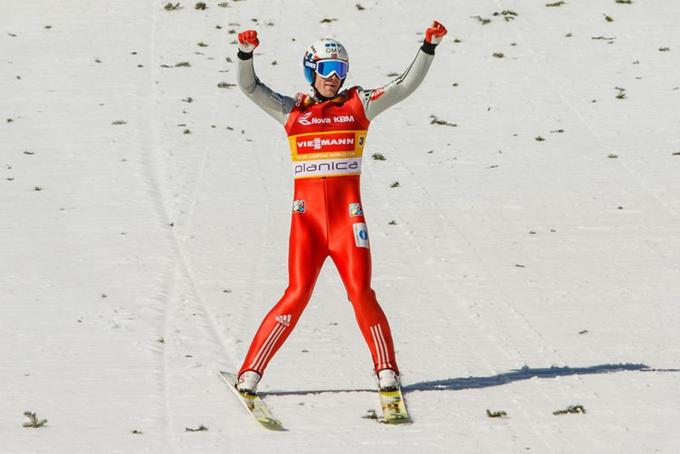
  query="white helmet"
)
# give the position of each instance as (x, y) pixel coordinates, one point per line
(332, 55)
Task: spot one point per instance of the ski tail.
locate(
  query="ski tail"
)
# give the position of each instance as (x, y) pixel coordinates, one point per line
(393, 407)
(253, 403)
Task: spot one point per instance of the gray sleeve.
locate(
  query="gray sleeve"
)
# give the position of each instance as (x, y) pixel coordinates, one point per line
(276, 105)
(380, 99)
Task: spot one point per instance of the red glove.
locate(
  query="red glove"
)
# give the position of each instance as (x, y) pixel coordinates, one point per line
(247, 41)
(435, 33)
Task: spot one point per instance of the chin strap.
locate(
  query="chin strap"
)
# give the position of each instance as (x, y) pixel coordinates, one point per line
(340, 97)
(319, 96)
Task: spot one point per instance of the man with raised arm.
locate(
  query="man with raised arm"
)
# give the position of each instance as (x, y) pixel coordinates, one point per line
(327, 133)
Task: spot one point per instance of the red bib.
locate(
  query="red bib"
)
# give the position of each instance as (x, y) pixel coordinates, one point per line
(327, 138)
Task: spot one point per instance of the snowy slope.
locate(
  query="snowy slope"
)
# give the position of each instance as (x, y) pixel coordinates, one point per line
(522, 275)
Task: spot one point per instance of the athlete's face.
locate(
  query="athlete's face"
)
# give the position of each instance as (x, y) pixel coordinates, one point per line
(329, 86)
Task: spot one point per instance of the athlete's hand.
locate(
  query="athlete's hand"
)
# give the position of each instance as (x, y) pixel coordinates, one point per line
(435, 33)
(247, 41)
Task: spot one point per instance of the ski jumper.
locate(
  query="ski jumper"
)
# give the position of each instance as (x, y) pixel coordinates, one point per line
(326, 141)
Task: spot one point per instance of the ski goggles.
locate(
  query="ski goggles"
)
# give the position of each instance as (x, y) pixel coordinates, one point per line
(326, 68)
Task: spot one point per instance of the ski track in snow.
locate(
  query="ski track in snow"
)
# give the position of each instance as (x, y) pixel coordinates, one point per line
(181, 332)
(439, 222)
(491, 343)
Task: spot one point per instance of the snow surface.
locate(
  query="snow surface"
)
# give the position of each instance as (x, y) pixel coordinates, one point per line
(521, 275)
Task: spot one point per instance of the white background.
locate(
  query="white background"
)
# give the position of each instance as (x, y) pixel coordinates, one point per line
(521, 275)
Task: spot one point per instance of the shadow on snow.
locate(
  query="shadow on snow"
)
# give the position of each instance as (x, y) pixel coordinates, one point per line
(525, 373)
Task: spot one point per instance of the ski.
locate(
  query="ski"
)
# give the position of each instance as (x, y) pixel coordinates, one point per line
(253, 403)
(393, 407)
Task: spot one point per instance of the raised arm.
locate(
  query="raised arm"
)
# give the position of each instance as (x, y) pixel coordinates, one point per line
(378, 100)
(276, 105)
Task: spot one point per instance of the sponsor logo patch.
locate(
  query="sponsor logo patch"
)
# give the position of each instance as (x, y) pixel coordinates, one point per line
(303, 120)
(341, 141)
(307, 119)
(329, 167)
(360, 234)
(283, 319)
(377, 93)
(298, 206)
(355, 209)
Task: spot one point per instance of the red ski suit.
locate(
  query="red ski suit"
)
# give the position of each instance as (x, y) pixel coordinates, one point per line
(326, 140)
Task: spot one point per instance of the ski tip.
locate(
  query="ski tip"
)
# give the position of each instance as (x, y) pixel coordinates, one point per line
(274, 425)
